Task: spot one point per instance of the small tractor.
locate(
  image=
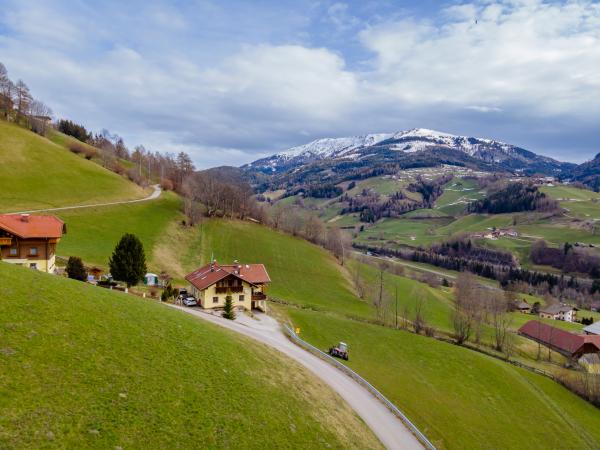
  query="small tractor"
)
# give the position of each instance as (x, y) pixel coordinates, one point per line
(340, 351)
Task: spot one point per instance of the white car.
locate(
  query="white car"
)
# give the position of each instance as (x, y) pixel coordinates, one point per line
(190, 301)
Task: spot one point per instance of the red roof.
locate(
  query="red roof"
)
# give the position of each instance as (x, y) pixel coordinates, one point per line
(555, 337)
(27, 227)
(209, 274)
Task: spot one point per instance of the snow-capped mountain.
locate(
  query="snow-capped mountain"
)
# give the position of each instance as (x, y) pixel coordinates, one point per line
(400, 145)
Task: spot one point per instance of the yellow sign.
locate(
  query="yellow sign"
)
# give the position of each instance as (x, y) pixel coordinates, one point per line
(297, 330)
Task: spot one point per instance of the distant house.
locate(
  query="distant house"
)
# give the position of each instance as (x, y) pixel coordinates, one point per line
(593, 328)
(567, 344)
(524, 307)
(595, 306)
(567, 313)
(30, 241)
(245, 283)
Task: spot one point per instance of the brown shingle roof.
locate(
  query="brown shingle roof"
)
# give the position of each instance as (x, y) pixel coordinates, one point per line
(555, 309)
(27, 227)
(555, 337)
(209, 274)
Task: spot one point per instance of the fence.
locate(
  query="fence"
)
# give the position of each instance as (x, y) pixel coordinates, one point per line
(412, 427)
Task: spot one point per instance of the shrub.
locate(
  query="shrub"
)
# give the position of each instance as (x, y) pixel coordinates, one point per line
(90, 153)
(75, 269)
(77, 147)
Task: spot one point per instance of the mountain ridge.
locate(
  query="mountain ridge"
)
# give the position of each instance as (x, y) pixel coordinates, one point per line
(492, 153)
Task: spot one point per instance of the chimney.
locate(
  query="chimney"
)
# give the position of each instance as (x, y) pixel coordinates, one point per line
(24, 217)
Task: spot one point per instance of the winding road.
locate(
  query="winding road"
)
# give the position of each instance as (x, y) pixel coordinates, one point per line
(155, 194)
(386, 426)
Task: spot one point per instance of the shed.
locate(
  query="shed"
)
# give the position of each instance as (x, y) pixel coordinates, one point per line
(151, 279)
(593, 328)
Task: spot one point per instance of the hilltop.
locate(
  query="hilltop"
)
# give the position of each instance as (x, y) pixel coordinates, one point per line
(37, 173)
(83, 367)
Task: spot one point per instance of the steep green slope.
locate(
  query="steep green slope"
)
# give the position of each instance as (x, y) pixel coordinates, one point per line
(36, 173)
(459, 398)
(83, 367)
(301, 272)
(92, 233)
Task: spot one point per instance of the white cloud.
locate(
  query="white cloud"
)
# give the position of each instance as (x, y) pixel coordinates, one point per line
(534, 55)
(507, 68)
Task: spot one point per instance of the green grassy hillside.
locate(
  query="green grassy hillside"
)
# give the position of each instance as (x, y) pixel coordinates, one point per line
(302, 273)
(92, 233)
(36, 173)
(459, 398)
(82, 367)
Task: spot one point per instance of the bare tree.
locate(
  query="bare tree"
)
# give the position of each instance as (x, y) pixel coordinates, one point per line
(383, 266)
(41, 115)
(419, 323)
(314, 229)
(23, 98)
(500, 318)
(7, 89)
(465, 306)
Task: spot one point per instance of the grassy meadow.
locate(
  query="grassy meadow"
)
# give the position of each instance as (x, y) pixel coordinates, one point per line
(92, 233)
(83, 367)
(36, 173)
(458, 398)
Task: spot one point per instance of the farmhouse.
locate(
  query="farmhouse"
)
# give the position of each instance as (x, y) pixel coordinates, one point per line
(567, 313)
(30, 240)
(245, 283)
(561, 341)
(523, 307)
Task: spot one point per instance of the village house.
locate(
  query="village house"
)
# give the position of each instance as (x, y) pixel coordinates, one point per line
(567, 313)
(246, 284)
(567, 344)
(523, 307)
(30, 241)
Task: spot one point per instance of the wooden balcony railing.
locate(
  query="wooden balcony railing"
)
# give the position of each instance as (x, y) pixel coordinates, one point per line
(5, 241)
(259, 296)
(229, 289)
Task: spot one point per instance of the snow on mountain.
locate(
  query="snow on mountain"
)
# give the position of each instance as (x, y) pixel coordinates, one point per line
(329, 147)
(410, 141)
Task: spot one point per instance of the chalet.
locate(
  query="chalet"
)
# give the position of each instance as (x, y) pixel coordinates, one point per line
(567, 344)
(245, 283)
(523, 307)
(30, 240)
(567, 313)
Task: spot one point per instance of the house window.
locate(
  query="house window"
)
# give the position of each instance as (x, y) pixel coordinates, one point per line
(215, 299)
(241, 298)
(14, 251)
(33, 266)
(33, 251)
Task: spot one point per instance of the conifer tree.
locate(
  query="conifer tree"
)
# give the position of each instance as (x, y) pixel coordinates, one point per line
(228, 311)
(75, 269)
(128, 261)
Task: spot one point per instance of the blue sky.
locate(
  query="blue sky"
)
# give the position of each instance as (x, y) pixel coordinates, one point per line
(233, 81)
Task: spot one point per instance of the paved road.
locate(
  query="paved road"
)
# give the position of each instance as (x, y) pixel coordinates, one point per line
(155, 194)
(386, 426)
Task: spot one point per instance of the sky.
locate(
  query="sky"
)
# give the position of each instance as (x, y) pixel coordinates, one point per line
(232, 81)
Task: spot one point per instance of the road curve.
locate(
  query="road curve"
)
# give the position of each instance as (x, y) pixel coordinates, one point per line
(386, 426)
(155, 194)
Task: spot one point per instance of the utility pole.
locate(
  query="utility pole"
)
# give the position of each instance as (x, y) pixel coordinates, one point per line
(396, 306)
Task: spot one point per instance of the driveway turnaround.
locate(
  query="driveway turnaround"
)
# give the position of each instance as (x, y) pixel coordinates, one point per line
(387, 427)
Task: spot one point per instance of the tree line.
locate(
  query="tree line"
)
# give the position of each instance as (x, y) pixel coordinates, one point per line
(18, 105)
(570, 258)
(513, 197)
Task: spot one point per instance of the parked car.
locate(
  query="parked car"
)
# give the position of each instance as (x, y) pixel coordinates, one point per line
(190, 301)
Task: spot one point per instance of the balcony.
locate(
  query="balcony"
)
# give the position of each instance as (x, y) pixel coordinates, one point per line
(5, 241)
(229, 289)
(259, 296)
